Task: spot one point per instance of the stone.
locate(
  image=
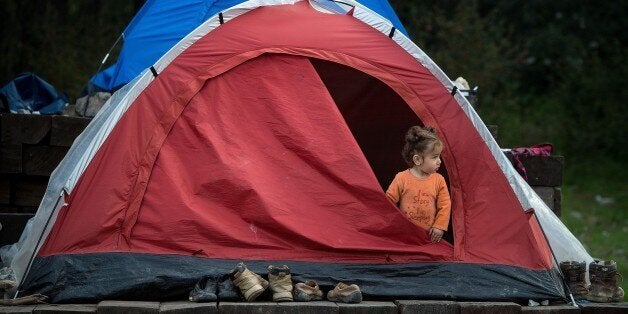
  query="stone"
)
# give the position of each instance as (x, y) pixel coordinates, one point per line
(284, 308)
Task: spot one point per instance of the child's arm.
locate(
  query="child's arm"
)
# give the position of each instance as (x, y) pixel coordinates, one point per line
(394, 190)
(443, 212)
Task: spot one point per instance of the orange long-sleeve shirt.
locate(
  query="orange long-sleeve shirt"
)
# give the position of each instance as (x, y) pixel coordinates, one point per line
(425, 202)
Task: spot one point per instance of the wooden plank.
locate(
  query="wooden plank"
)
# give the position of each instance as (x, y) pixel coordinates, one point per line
(65, 308)
(187, 307)
(29, 190)
(25, 128)
(542, 170)
(5, 190)
(427, 307)
(120, 307)
(489, 307)
(65, 129)
(10, 158)
(551, 196)
(42, 160)
(12, 227)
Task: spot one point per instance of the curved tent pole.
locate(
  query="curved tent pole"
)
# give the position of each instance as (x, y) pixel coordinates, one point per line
(562, 276)
(41, 235)
(104, 59)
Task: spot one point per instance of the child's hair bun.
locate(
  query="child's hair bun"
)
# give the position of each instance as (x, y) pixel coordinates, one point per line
(417, 134)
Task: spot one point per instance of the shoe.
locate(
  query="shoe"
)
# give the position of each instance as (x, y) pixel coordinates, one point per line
(204, 290)
(280, 283)
(604, 282)
(308, 291)
(345, 293)
(575, 273)
(250, 284)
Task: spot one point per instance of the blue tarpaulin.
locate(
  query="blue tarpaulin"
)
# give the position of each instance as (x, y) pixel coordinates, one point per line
(28, 93)
(159, 25)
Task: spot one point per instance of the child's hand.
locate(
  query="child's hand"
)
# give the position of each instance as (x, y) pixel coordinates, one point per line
(436, 234)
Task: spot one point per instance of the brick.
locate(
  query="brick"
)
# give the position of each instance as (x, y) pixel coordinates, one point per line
(6, 209)
(119, 307)
(17, 309)
(552, 309)
(42, 160)
(25, 128)
(551, 196)
(65, 129)
(367, 307)
(605, 308)
(188, 307)
(489, 307)
(428, 307)
(10, 158)
(284, 308)
(29, 190)
(5, 190)
(65, 308)
(12, 227)
(542, 170)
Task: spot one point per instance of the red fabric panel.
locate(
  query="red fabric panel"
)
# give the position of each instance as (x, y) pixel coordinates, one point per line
(269, 170)
(106, 210)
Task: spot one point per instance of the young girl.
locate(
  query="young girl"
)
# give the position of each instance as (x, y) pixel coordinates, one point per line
(421, 192)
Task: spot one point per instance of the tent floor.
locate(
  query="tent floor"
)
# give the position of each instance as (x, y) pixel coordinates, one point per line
(399, 306)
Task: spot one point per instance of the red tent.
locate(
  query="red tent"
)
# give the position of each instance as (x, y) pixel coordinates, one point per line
(267, 137)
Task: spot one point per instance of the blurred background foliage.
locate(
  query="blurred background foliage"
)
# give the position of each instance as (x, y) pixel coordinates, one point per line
(547, 71)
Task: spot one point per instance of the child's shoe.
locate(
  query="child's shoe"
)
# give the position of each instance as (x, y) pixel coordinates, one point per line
(250, 284)
(308, 291)
(280, 283)
(604, 282)
(345, 293)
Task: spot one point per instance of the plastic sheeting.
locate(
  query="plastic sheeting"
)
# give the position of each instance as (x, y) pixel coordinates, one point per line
(28, 93)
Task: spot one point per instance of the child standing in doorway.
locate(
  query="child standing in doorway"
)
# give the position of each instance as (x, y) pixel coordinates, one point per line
(419, 191)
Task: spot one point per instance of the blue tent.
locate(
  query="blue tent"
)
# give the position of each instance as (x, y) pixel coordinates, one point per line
(160, 24)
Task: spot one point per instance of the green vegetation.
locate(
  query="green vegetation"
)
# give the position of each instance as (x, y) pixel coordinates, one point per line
(595, 199)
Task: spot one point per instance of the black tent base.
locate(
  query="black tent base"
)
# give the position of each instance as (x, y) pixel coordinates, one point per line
(90, 278)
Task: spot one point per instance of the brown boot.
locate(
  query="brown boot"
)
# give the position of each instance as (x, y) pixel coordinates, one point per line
(308, 291)
(280, 283)
(250, 284)
(345, 293)
(604, 282)
(575, 273)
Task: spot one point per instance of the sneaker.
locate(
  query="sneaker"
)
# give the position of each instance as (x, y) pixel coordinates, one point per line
(280, 283)
(308, 291)
(250, 284)
(345, 293)
(575, 273)
(604, 282)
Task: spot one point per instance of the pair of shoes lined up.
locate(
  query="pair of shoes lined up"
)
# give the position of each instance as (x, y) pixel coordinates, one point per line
(252, 285)
(603, 276)
(309, 291)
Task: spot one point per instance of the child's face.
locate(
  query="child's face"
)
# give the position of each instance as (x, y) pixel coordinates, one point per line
(430, 162)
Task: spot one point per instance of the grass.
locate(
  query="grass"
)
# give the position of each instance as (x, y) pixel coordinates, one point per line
(595, 209)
